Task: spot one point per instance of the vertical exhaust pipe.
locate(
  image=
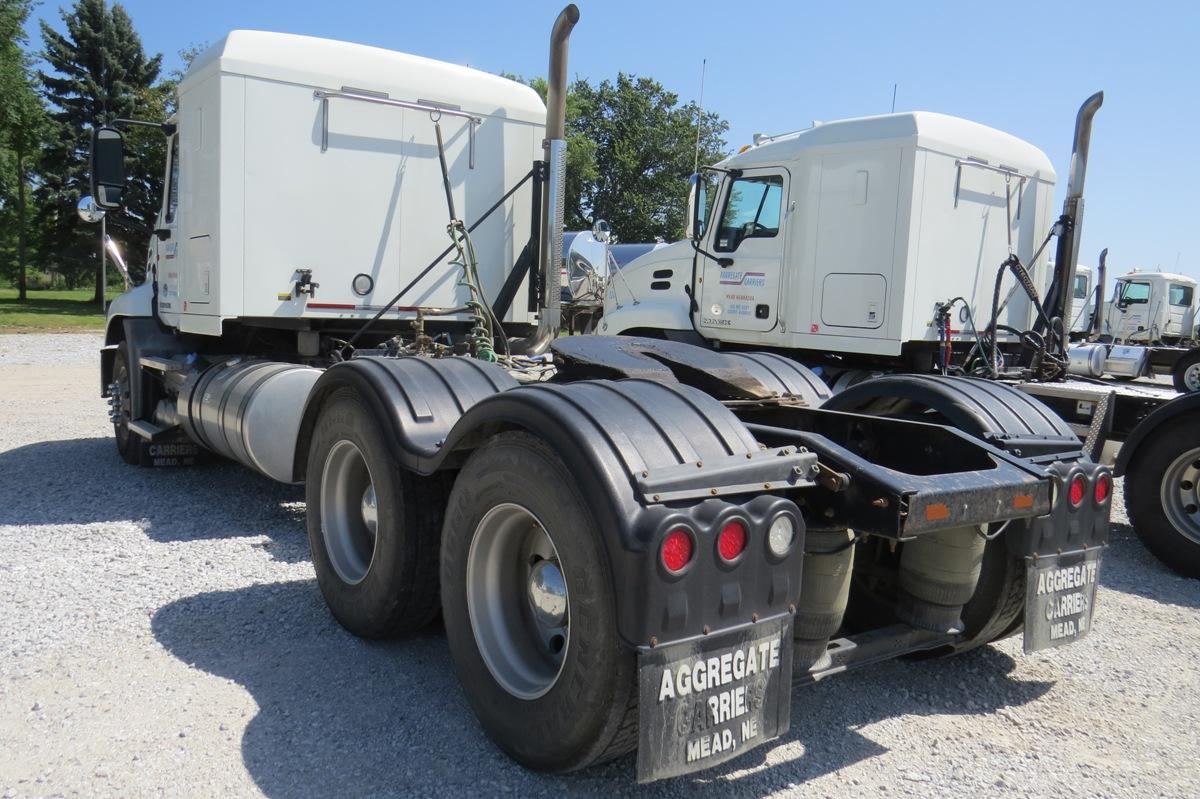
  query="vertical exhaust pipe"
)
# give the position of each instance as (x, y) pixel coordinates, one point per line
(1097, 326)
(553, 198)
(1072, 213)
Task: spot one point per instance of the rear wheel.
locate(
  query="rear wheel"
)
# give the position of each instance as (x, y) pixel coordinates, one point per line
(373, 526)
(530, 613)
(1162, 495)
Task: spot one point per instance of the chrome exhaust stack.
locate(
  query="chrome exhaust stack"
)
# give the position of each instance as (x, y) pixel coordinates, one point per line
(553, 198)
(1072, 213)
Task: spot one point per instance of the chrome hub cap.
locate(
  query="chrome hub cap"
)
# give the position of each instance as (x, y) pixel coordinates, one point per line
(349, 512)
(548, 593)
(1180, 494)
(1191, 377)
(518, 601)
(370, 510)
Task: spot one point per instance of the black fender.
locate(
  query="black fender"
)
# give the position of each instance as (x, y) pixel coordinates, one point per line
(725, 375)
(783, 376)
(1187, 403)
(995, 412)
(418, 400)
(1011, 420)
(623, 440)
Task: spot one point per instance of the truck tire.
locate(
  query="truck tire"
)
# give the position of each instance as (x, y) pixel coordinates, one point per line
(373, 527)
(1162, 494)
(130, 446)
(1185, 374)
(529, 607)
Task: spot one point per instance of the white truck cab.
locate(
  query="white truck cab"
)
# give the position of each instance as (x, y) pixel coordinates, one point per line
(846, 237)
(1149, 307)
(301, 180)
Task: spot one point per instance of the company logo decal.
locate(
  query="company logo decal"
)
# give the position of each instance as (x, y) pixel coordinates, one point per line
(749, 279)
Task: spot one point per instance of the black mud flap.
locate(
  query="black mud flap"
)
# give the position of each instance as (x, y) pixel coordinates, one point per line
(1060, 596)
(705, 701)
(171, 449)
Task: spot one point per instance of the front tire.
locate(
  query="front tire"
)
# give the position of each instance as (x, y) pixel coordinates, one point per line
(530, 614)
(1162, 495)
(130, 446)
(373, 526)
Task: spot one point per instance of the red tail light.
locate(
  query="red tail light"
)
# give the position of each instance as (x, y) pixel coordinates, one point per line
(1103, 489)
(732, 541)
(1078, 490)
(676, 551)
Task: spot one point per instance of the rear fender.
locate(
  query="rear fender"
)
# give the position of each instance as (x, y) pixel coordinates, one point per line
(995, 412)
(418, 400)
(630, 443)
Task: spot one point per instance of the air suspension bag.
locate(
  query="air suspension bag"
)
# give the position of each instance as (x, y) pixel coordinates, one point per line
(938, 575)
(824, 590)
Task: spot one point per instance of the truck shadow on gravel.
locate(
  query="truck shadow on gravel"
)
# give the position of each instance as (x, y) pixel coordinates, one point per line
(343, 716)
(1129, 567)
(84, 481)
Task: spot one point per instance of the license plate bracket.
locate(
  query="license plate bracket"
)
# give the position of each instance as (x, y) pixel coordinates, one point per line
(1060, 597)
(745, 702)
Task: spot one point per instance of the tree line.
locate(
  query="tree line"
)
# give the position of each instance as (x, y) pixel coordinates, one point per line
(631, 144)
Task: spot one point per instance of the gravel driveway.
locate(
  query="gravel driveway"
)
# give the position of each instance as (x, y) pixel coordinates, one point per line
(161, 633)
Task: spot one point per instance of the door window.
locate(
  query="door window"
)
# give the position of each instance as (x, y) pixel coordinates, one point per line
(1133, 293)
(752, 210)
(1178, 294)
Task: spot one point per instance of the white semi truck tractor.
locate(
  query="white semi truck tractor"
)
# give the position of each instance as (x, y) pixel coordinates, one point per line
(884, 251)
(634, 544)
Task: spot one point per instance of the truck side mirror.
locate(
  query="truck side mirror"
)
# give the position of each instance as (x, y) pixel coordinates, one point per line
(107, 167)
(88, 210)
(699, 204)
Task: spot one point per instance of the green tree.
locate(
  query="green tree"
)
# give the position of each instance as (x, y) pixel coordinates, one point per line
(22, 128)
(99, 72)
(631, 147)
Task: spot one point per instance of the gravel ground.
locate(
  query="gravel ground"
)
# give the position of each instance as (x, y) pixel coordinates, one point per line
(161, 633)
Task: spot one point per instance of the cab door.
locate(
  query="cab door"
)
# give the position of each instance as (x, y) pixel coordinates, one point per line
(740, 288)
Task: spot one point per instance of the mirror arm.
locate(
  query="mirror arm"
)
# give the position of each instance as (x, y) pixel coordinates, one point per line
(168, 128)
(127, 220)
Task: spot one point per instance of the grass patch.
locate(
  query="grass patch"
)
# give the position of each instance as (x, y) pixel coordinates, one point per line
(66, 311)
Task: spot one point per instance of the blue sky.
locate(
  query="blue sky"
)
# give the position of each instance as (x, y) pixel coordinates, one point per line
(775, 66)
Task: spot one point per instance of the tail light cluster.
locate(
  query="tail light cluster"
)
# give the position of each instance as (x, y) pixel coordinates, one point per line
(1077, 490)
(678, 547)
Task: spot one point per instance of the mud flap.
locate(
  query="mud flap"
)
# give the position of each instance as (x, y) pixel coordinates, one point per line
(705, 701)
(173, 448)
(1060, 597)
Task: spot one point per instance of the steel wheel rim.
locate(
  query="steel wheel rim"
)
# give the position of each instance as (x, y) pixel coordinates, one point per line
(1180, 494)
(123, 402)
(518, 601)
(1191, 377)
(349, 525)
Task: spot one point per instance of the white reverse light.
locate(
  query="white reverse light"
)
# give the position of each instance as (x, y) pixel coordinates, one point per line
(779, 537)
